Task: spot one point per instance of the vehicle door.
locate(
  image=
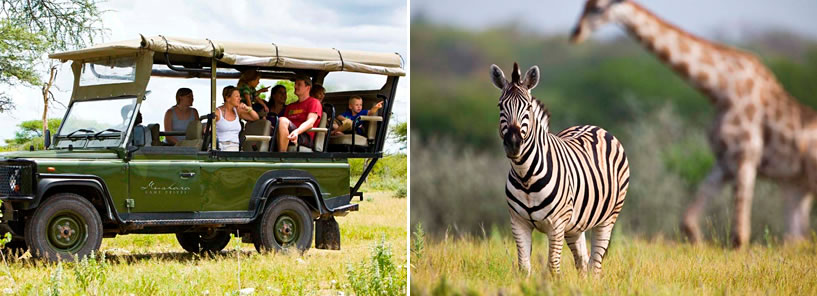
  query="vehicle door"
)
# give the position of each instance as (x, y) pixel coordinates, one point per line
(165, 179)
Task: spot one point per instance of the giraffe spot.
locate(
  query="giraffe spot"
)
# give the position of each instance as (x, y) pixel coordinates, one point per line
(683, 46)
(750, 111)
(663, 54)
(735, 120)
(702, 77)
(706, 59)
(681, 68)
(722, 82)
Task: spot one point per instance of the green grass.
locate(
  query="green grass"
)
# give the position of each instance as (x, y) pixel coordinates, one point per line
(487, 265)
(157, 265)
(388, 174)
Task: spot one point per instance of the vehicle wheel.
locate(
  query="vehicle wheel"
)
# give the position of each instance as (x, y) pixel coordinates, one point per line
(286, 223)
(63, 226)
(194, 242)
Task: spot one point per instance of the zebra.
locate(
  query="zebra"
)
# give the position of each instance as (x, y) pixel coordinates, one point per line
(561, 185)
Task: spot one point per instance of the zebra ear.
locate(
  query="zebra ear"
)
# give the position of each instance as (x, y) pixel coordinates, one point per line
(498, 77)
(531, 78)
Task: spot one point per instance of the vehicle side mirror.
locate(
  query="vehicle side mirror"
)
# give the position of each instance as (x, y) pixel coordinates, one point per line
(138, 135)
(47, 139)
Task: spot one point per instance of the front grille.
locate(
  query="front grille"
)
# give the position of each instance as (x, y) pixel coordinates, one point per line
(24, 177)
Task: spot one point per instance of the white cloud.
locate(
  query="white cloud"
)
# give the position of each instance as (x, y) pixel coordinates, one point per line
(290, 22)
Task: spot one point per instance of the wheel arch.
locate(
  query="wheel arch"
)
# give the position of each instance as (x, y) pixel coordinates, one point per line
(298, 183)
(93, 190)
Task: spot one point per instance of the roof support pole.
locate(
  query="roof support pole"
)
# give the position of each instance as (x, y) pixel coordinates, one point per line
(213, 102)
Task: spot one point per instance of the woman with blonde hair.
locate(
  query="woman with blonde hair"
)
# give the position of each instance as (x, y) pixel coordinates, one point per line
(247, 83)
(180, 115)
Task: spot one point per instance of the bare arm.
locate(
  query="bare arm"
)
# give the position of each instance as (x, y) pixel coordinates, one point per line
(169, 126)
(375, 108)
(247, 113)
(310, 121)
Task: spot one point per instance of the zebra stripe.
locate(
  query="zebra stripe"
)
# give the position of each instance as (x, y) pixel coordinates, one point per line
(563, 184)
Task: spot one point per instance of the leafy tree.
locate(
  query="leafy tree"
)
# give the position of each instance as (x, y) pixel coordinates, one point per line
(31, 129)
(400, 132)
(31, 29)
(291, 97)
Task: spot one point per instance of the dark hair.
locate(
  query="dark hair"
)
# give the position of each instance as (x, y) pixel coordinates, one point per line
(305, 79)
(317, 88)
(276, 87)
(228, 90)
(248, 75)
(182, 92)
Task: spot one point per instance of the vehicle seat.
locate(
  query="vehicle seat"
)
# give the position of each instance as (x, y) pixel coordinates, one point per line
(192, 137)
(259, 127)
(154, 134)
(355, 139)
(320, 136)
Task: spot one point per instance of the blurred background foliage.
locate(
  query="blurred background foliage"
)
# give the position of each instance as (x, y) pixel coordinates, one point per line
(458, 169)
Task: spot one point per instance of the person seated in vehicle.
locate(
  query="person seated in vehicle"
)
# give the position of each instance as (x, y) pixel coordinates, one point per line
(299, 117)
(318, 92)
(180, 115)
(343, 123)
(277, 101)
(227, 118)
(247, 83)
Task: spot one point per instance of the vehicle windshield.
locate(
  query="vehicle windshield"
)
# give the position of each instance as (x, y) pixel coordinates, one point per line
(98, 123)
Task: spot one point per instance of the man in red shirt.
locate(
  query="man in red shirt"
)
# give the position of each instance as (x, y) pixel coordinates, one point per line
(299, 117)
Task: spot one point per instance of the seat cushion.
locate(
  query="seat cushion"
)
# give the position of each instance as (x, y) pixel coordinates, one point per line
(259, 127)
(346, 139)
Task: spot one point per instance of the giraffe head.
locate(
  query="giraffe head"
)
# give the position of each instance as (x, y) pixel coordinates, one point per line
(516, 120)
(596, 14)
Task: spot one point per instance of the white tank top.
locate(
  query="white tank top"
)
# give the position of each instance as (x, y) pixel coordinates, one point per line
(228, 130)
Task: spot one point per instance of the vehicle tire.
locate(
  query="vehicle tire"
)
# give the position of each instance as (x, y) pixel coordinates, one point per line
(286, 223)
(195, 242)
(63, 226)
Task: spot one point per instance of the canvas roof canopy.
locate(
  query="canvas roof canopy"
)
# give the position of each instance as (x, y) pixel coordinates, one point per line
(248, 54)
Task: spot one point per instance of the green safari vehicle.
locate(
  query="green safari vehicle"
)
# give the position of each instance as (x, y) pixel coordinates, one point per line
(100, 176)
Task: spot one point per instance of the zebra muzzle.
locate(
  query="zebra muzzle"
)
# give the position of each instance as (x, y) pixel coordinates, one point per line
(512, 140)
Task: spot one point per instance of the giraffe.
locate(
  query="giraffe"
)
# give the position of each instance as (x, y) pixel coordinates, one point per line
(759, 129)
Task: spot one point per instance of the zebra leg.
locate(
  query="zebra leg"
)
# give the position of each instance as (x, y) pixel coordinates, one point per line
(744, 189)
(798, 206)
(578, 246)
(556, 240)
(522, 231)
(711, 186)
(600, 240)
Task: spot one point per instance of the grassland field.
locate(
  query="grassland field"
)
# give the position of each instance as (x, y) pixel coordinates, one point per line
(486, 265)
(139, 264)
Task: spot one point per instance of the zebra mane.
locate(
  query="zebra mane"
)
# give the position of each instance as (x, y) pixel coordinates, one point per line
(544, 116)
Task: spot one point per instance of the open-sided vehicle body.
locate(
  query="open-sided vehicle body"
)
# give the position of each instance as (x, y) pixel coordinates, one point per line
(99, 177)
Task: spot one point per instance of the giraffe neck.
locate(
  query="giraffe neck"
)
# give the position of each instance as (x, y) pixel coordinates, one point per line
(690, 57)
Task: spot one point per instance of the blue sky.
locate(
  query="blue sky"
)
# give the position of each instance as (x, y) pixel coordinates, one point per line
(708, 18)
(380, 26)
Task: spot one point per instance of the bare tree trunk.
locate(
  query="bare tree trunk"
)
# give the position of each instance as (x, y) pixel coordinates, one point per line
(47, 97)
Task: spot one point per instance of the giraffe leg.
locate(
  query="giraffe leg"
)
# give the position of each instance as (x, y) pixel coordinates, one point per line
(556, 240)
(600, 240)
(522, 231)
(744, 190)
(578, 246)
(798, 206)
(711, 186)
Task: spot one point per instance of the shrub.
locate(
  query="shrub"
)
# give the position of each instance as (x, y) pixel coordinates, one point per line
(377, 275)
